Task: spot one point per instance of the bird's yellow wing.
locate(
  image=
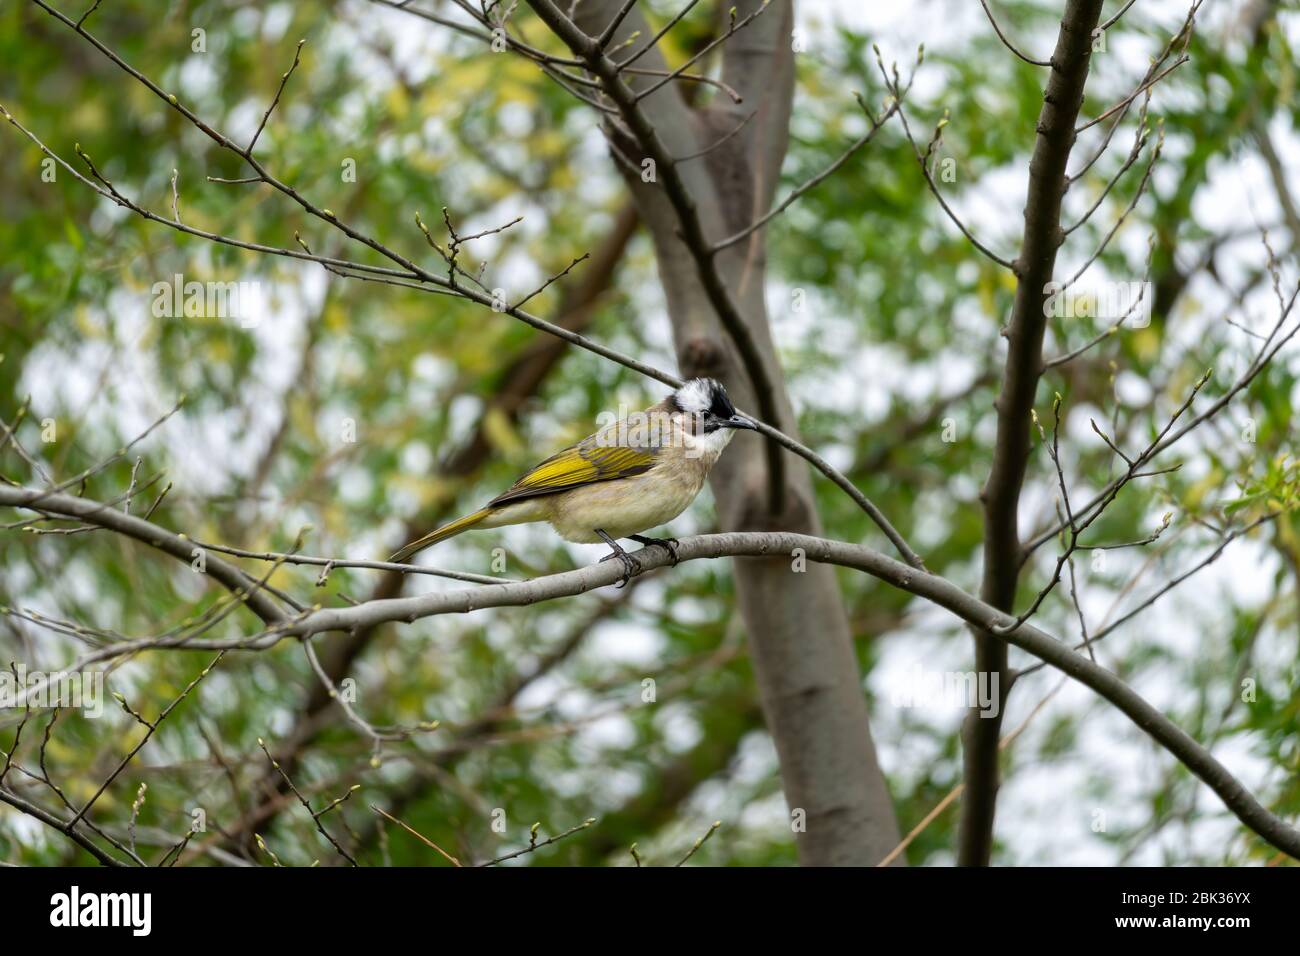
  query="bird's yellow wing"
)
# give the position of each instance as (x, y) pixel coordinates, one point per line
(585, 463)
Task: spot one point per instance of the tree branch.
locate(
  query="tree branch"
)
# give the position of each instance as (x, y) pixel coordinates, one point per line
(978, 613)
(1007, 43)
(1001, 495)
(177, 546)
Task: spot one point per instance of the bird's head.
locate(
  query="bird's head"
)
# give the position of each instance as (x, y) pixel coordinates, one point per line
(705, 400)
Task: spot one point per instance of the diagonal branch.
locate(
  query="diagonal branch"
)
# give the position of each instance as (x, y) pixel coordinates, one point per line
(874, 126)
(177, 546)
(50, 820)
(1006, 42)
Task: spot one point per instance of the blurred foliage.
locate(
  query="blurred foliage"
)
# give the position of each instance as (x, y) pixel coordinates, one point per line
(893, 363)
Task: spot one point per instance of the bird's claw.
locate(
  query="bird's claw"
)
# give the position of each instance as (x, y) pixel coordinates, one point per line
(630, 567)
(668, 544)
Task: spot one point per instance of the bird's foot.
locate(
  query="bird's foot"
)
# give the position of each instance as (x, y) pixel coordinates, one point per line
(630, 566)
(668, 544)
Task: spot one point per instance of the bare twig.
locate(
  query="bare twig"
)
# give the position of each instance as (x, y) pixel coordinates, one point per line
(1007, 43)
(938, 590)
(315, 815)
(699, 843)
(284, 81)
(153, 727)
(761, 221)
(534, 845)
(898, 91)
(419, 836)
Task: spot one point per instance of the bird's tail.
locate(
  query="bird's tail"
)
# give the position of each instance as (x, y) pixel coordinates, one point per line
(441, 534)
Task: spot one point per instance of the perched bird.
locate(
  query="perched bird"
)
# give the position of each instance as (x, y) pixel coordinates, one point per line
(637, 473)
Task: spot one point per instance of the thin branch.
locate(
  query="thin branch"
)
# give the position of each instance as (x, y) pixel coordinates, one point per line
(1007, 43)
(1156, 64)
(419, 836)
(93, 8)
(699, 843)
(534, 845)
(332, 563)
(153, 727)
(733, 27)
(1139, 143)
(176, 196)
(921, 159)
(1118, 323)
(50, 820)
(663, 32)
(315, 816)
(1124, 103)
(690, 78)
(1263, 357)
(553, 279)
(1078, 610)
(1123, 216)
(607, 34)
(724, 138)
(406, 7)
(11, 438)
(1115, 19)
(1164, 589)
(375, 734)
(284, 81)
(1079, 526)
(816, 180)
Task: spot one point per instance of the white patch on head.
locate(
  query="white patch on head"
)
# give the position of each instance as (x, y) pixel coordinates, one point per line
(696, 396)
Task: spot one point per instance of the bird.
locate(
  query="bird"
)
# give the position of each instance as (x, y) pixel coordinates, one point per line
(638, 473)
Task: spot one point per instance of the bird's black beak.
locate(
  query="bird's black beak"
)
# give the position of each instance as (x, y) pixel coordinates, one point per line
(739, 421)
